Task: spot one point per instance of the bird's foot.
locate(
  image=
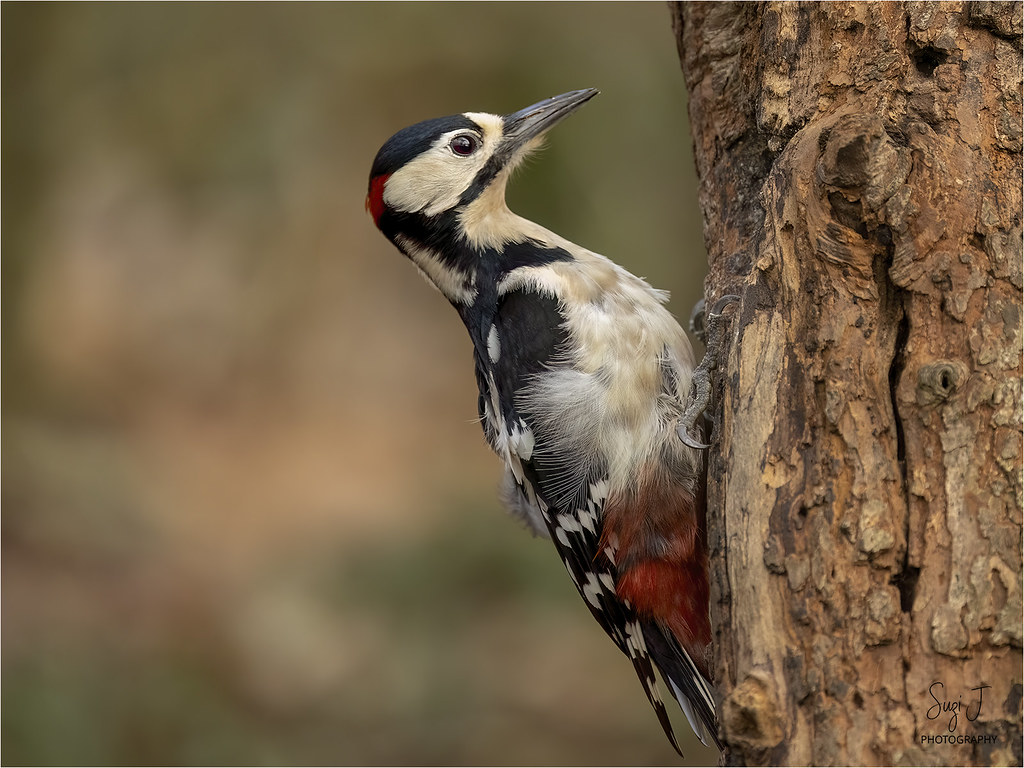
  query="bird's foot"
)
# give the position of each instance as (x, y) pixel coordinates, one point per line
(707, 326)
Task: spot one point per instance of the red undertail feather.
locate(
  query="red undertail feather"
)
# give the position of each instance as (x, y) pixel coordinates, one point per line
(663, 563)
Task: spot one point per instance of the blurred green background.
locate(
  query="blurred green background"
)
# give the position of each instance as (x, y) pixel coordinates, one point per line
(248, 516)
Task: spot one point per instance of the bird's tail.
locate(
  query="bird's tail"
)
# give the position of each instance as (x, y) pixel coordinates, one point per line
(688, 684)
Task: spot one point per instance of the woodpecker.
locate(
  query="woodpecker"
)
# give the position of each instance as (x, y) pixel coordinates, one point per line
(583, 375)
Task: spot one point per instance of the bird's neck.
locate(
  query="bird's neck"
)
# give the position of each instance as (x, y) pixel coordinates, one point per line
(463, 250)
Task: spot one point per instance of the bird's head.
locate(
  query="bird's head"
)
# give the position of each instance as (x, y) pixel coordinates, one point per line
(431, 177)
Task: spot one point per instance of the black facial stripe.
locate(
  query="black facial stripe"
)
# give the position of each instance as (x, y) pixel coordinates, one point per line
(485, 176)
(441, 233)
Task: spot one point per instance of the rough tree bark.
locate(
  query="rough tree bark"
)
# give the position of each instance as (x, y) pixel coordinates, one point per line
(860, 170)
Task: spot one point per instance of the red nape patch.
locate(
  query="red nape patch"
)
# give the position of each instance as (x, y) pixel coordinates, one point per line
(375, 197)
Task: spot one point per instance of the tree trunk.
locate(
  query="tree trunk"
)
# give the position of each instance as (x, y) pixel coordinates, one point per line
(860, 170)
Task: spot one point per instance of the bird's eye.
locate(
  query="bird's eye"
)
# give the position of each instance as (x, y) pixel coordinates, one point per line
(464, 144)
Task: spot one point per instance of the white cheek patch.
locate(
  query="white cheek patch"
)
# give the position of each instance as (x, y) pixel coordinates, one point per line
(435, 180)
(432, 182)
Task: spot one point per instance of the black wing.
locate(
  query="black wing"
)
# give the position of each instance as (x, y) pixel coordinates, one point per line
(525, 340)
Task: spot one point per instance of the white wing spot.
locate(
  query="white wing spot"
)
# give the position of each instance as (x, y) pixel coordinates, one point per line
(589, 520)
(521, 440)
(569, 522)
(566, 522)
(535, 499)
(635, 640)
(493, 344)
(592, 589)
(612, 547)
(516, 467)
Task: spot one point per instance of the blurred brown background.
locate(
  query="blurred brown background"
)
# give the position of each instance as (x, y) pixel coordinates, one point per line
(248, 516)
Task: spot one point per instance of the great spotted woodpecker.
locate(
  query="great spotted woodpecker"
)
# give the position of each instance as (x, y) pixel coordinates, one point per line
(583, 375)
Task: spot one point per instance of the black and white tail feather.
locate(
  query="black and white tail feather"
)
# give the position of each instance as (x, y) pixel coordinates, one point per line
(577, 535)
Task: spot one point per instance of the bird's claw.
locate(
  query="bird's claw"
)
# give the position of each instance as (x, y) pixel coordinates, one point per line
(707, 326)
(690, 441)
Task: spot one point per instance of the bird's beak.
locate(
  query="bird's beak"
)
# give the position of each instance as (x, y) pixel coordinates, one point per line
(529, 123)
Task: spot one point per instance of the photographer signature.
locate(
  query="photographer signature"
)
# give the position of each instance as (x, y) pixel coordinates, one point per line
(942, 705)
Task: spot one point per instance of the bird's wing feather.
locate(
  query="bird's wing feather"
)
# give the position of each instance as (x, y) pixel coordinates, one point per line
(524, 343)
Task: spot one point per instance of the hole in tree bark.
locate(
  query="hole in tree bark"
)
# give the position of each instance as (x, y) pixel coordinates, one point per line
(927, 58)
(906, 582)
